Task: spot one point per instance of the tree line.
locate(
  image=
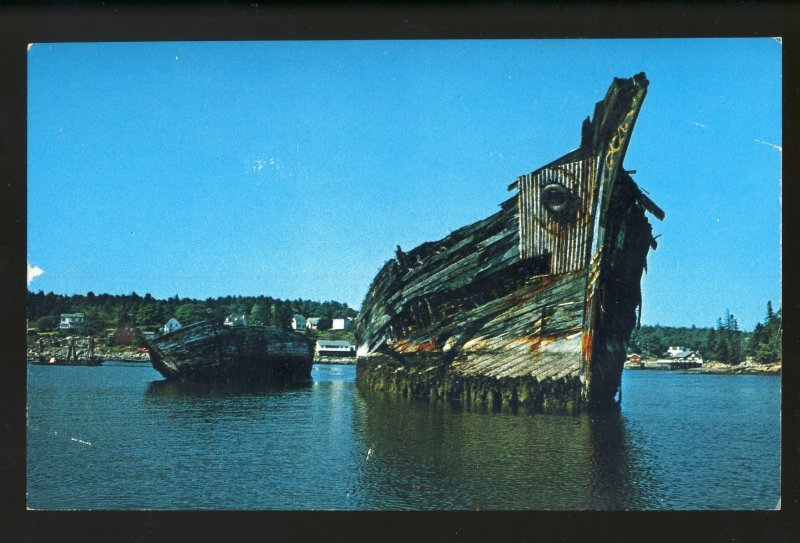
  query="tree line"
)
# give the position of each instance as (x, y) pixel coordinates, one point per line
(766, 343)
(105, 311)
(723, 343)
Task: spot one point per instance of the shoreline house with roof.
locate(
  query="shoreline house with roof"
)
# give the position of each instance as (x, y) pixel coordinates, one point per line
(341, 324)
(676, 358)
(672, 351)
(171, 326)
(332, 347)
(298, 322)
(687, 357)
(125, 333)
(70, 321)
(312, 323)
(235, 320)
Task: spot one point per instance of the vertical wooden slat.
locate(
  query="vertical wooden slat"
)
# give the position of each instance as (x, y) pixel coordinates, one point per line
(540, 233)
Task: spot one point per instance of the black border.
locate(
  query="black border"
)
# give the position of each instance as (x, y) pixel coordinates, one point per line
(63, 21)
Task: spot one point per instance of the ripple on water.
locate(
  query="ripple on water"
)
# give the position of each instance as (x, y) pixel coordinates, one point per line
(118, 437)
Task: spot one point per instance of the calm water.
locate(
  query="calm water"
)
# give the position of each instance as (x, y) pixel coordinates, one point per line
(117, 437)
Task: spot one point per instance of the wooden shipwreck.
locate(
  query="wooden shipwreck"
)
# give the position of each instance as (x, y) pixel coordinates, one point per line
(212, 352)
(534, 305)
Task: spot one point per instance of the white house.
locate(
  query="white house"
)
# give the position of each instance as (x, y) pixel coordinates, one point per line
(341, 324)
(331, 347)
(171, 326)
(71, 320)
(672, 351)
(676, 359)
(298, 322)
(312, 323)
(235, 320)
(689, 357)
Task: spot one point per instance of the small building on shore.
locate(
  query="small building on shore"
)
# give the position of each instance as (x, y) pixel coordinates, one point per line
(688, 357)
(679, 360)
(171, 326)
(71, 320)
(312, 323)
(633, 361)
(298, 322)
(341, 324)
(125, 334)
(235, 320)
(672, 351)
(332, 347)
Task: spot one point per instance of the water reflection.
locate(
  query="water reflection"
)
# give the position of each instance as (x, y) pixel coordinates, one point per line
(212, 406)
(173, 389)
(441, 456)
(618, 478)
(125, 441)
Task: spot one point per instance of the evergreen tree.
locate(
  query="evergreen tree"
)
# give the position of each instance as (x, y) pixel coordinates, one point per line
(767, 344)
(735, 340)
(190, 313)
(260, 314)
(283, 316)
(712, 344)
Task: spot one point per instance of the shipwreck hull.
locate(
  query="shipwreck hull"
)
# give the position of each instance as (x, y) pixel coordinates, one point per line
(209, 352)
(533, 305)
(520, 350)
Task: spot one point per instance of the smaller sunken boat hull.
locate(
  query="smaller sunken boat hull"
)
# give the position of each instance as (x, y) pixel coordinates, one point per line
(210, 352)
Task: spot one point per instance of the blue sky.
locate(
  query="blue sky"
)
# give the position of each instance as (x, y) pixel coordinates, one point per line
(293, 169)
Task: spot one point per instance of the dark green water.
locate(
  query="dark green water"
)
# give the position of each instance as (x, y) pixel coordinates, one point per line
(117, 437)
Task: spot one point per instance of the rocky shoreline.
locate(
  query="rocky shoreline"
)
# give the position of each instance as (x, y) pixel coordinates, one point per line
(48, 348)
(44, 349)
(745, 368)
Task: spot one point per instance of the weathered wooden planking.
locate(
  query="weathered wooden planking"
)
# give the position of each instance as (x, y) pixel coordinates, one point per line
(530, 335)
(451, 264)
(540, 231)
(617, 293)
(209, 350)
(545, 290)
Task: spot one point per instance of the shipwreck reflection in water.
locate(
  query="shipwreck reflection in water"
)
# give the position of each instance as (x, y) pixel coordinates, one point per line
(227, 388)
(218, 419)
(464, 458)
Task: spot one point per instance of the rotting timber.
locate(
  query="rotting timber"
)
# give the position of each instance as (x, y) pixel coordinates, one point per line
(214, 353)
(534, 305)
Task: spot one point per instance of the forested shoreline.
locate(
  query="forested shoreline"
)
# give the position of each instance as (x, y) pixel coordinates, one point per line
(107, 311)
(103, 312)
(724, 343)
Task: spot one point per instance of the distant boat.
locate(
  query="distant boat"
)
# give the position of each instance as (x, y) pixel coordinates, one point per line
(533, 305)
(212, 352)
